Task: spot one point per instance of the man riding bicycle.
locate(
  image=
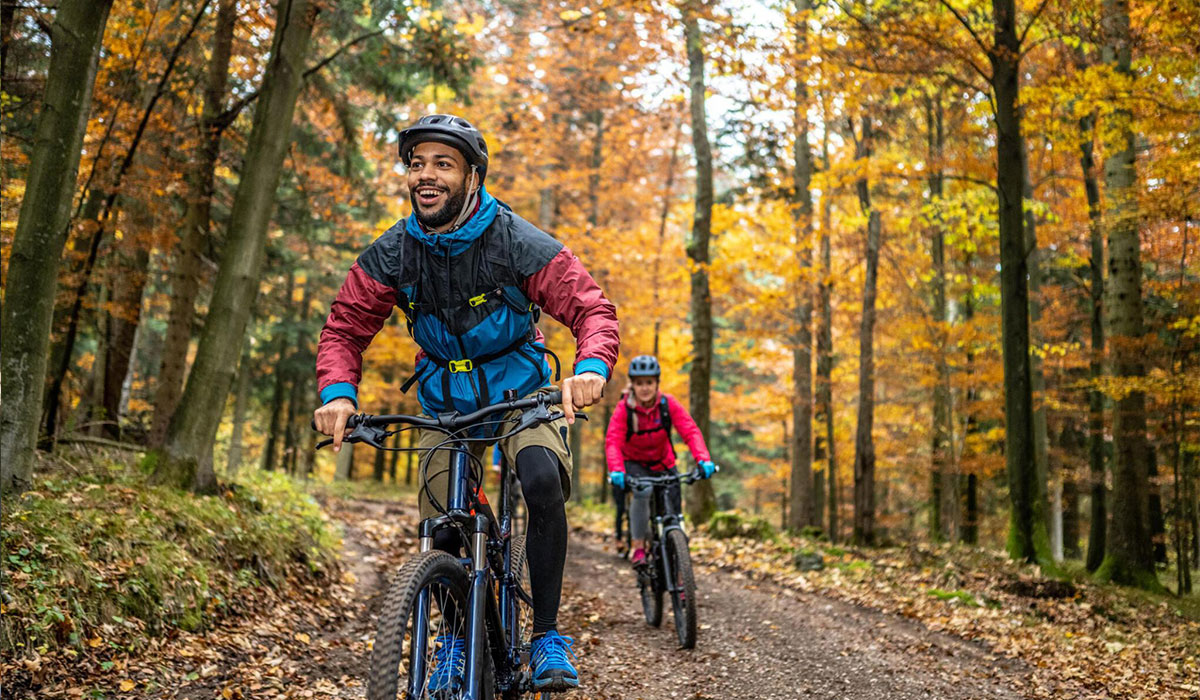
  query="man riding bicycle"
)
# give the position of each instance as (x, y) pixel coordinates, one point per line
(638, 443)
(471, 278)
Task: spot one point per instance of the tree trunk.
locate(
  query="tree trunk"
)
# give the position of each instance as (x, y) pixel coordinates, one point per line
(1129, 558)
(41, 232)
(1096, 448)
(825, 346)
(604, 489)
(7, 16)
(1158, 523)
(1027, 537)
(1041, 437)
(233, 461)
(128, 283)
(1072, 443)
(864, 444)
(380, 465)
(970, 522)
(943, 488)
(274, 425)
(668, 190)
(393, 462)
(802, 505)
(701, 502)
(194, 425)
(197, 220)
(410, 457)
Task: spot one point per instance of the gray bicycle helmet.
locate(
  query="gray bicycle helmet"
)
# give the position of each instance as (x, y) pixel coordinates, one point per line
(450, 130)
(644, 366)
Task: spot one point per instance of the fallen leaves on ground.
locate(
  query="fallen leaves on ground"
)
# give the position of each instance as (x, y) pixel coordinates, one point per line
(1081, 639)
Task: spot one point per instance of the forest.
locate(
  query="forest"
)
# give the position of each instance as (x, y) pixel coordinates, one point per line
(925, 272)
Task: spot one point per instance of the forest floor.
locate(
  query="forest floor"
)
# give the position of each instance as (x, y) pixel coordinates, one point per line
(761, 636)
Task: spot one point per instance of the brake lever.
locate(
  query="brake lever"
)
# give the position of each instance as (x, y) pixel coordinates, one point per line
(368, 434)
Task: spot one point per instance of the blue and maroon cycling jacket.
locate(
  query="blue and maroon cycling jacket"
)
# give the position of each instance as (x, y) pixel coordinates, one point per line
(471, 298)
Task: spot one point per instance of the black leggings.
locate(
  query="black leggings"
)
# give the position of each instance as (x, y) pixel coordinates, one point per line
(545, 538)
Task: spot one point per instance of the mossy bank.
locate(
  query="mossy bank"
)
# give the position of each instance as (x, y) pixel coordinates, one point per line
(95, 558)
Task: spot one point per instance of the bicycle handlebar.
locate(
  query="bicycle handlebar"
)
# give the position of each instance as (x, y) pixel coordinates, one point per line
(369, 429)
(688, 478)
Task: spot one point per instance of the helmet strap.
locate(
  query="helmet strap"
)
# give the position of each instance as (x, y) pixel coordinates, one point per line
(471, 201)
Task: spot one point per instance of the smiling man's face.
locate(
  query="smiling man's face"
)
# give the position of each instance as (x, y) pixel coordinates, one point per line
(437, 184)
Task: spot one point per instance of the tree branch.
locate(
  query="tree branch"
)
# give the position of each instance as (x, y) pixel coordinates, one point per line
(1032, 21)
(224, 119)
(966, 25)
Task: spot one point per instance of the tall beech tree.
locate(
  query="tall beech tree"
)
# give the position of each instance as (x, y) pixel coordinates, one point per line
(944, 487)
(864, 440)
(802, 501)
(1097, 474)
(185, 460)
(41, 231)
(701, 502)
(1027, 537)
(1129, 555)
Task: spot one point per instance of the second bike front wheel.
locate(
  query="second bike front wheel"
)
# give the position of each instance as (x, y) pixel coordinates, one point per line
(426, 603)
(683, 598)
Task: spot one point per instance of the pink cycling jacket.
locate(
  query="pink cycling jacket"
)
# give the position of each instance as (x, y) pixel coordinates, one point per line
(653, 448)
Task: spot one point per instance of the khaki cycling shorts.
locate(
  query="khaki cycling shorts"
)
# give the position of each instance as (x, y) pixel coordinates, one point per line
(435, 464)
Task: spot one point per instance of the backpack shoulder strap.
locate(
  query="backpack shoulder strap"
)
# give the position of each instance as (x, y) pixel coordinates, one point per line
(664, 415)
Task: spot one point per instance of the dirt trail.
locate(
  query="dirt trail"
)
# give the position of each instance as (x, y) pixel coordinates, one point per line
(761, 641)
(756, 640)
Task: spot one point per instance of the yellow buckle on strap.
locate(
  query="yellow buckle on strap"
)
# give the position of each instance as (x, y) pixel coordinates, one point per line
(477, 300)
(461, 366)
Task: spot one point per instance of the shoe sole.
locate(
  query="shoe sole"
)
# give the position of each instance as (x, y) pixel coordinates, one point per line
(558, 681)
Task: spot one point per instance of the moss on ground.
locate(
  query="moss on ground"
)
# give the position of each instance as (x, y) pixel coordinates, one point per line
(93, 555)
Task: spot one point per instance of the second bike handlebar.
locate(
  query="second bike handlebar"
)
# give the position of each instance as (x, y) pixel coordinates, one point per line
(688, 478)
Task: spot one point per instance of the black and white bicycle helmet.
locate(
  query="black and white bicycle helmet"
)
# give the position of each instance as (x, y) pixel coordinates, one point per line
(450, 130)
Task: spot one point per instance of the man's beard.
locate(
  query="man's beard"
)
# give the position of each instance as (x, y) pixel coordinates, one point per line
(440, 217)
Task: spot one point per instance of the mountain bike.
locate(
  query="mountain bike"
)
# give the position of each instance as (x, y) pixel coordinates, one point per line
(668, 567)
(482, 598)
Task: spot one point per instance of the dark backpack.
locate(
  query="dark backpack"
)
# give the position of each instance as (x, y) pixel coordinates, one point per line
(664, 421)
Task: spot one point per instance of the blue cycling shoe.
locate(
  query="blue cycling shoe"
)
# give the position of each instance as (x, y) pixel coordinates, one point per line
(449, 662)
(551, 668)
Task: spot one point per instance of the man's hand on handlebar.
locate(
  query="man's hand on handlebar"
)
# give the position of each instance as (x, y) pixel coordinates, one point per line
(331, 418)
(581, 391)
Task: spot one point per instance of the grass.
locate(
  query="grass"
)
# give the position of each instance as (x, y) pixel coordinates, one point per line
(95, 557)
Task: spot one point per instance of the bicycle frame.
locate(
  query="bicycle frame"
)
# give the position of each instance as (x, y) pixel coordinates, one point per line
(665, 520)
(486, 612)
(492, 599)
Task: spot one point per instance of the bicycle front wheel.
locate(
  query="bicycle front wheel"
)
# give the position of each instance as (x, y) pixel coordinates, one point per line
(683, 598)
(523, 624)
(425, 606)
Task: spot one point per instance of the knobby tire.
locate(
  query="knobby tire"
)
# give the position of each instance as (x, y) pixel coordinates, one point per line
(443, 575)
(683, 599)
